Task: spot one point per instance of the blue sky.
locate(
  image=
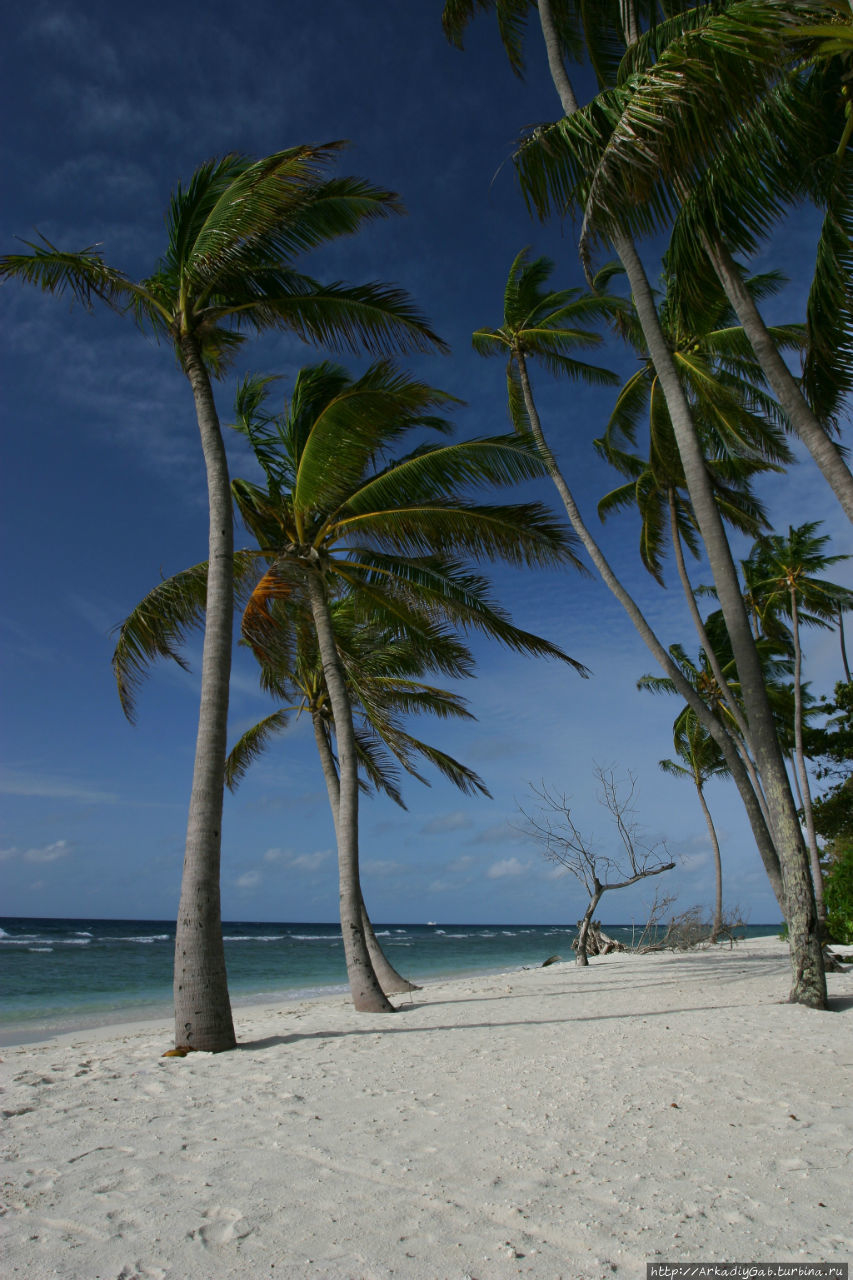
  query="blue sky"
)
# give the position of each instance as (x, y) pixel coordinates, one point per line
(104, 485)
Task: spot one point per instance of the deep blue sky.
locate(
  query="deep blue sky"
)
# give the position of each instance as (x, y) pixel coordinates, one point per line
(104, 488)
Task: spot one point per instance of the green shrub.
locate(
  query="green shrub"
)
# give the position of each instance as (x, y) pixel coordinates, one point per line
(839, 893)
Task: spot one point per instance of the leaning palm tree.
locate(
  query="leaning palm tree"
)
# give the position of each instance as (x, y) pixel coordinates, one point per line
(234, 234)
(701, 760)
(783, 573)
(543, 326)
(335, 514)
(739, 422)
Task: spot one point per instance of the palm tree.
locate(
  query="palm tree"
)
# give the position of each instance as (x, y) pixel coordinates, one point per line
(382, 680)
(543, 326)
(543, 170)
(235, 232)
(739, 424)
(701, 761)
(334, 514)
(783, 574)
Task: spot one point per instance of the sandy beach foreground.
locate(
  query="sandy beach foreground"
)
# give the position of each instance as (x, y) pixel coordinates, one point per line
(554, 1123)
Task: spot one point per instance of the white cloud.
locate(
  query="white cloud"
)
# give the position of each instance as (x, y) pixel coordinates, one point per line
(250, 880)
(309, 861)
(298, 861)
(47, 853)
(506, 867)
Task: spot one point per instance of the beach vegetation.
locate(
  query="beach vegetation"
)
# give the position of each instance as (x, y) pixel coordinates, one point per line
(839, 891)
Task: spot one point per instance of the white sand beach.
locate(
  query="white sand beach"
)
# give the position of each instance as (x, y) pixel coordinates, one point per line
(554, 1123)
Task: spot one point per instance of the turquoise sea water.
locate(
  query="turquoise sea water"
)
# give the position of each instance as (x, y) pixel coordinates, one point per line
(58, 974)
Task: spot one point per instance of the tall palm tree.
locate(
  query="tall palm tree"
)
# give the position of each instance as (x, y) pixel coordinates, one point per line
(383, 682)
(334, 512)
(542, 172)
(701, 760)
(234, 234)
(538, 325)
(784, 581)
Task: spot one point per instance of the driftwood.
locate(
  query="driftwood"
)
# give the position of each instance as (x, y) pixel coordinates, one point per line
(598, 943)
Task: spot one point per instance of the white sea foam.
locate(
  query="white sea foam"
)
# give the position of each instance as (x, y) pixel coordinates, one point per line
(40, 949)
(253, 937)
(154, 937)
(316, 937)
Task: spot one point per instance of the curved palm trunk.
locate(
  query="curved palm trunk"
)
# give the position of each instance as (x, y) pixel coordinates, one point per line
(809, 978)
(717, 927)
(707, 647)
(713, 661)
(389, 979)
(805, 789)
(706, 717)
(202, 1007)
(367, 994)
(823, 449)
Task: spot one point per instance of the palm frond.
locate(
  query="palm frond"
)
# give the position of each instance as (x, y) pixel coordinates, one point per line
(828, 366)
(163, 619)
(251, 745)
(83, 274)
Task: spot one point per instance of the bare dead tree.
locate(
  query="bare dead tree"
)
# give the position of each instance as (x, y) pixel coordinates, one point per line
(553, 826)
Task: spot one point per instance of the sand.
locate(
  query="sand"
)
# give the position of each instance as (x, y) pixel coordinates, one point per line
(553, 1123)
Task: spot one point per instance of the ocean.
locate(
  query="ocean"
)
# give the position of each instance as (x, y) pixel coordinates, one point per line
(60, 974)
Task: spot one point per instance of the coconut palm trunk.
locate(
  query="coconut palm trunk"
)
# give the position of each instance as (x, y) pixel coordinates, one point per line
(713, 662)
(809, 979)
(763, 837)
(389, 979)
(805, 789)
(717, 927)
(823, 449)
(367, 993)
(202, 1007)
